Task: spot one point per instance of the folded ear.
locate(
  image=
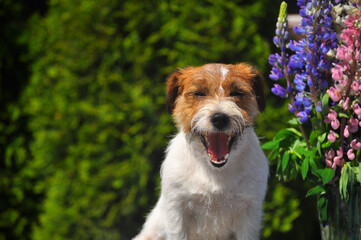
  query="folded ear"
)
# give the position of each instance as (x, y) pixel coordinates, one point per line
(172, 90)
(258, 88)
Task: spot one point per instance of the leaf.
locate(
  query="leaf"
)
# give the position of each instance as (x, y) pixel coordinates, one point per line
(295, 131)
(324, 102)
(279, 163)
(284, 133)
(322, 137)
(304, 168)
(285, 159)
(313, 136)
(287, 132)
(344, 182)
(319, 148)
(341, 114)
(316, 190)
(326, 174)
(322, 205)
(357, 171)
(271, 145)
(294, 121)
(313, 164)
(326, 144)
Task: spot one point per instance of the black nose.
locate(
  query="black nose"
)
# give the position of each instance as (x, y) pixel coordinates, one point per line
(220, 120)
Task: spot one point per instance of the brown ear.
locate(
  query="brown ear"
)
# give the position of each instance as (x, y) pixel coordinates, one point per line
(258, 88)
(172, 90)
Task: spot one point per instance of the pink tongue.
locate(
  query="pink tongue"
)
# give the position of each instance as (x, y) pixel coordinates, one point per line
(218, 145)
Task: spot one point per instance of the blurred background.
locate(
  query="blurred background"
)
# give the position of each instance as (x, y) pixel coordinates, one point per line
(83, 126)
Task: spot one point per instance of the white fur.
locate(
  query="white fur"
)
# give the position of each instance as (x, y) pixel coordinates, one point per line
(201, 202)
(224, 72)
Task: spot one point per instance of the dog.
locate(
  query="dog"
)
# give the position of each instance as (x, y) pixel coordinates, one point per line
(214, 176)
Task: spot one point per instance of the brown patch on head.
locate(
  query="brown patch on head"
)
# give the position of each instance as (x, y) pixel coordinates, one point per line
(190, 89)
(253, 78)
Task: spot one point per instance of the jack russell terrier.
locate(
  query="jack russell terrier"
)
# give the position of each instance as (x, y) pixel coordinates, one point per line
(214, 176)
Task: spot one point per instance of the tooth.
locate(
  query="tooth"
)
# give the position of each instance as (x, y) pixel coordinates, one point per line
(226, 156)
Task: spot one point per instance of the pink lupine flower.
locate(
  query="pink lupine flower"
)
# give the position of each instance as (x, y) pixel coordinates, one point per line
(329, 155)
(332, 136)
(335, 124)
(337, 73)
(345, 103)
(350, 154)
(346, 132)
(334, 94)
(348, 55)
(332, 118)
(355, 144)
(357, 56)
(338, 160)
(357, 109)
(353, 123)
(357, 43)
(355, 86)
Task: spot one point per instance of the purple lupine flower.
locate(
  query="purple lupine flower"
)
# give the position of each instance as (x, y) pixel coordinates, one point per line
(279, 91)
(310, 63)
(303, 116)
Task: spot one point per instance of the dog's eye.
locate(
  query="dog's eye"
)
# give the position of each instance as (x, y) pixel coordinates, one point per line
(199, 94)
(237, 93)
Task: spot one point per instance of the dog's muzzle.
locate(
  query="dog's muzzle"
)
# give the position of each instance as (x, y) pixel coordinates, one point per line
(218, 143)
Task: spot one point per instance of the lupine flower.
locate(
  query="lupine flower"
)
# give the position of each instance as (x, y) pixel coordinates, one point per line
(350, 154)
(309, 63)
(303, 116)
(279, 90)
(353, 123)
(355, 145)
(326, 60)
(345, 103)
(346, 74)
(329, 155)
(338, 160)
(332, 136)
(332, 118)
(357, 110)
(346, 132)
(334, 94)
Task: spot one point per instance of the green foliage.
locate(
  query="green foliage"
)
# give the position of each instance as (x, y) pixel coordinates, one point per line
(18, 202)
(282, 209)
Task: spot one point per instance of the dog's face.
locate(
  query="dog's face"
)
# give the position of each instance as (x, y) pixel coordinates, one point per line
(215, 102)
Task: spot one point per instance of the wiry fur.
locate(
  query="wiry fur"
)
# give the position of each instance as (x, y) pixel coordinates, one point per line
(198, 200)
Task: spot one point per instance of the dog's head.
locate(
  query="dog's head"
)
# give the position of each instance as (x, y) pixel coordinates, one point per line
(215, 102)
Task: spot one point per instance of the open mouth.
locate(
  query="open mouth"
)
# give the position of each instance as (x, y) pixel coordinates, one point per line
(218, 145)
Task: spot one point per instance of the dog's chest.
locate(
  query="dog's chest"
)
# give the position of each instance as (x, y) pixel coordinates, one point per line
(215, 215)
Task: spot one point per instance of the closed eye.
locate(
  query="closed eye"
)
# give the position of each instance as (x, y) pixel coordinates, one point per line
(237, 93)
(199, 94)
